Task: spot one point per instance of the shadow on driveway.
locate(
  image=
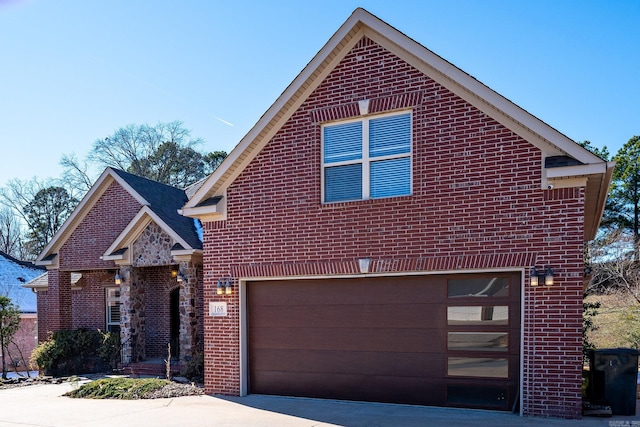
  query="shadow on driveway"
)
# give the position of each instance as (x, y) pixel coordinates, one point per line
(356, 414)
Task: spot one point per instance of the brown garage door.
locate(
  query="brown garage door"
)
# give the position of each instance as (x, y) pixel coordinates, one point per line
(431, 340)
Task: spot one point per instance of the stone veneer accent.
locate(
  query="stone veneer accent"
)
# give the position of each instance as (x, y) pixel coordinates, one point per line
(153, 247)
(132, 316)
(189, 318)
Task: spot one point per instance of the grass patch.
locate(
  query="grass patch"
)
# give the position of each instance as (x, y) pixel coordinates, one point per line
(118, 388)
(617, 322)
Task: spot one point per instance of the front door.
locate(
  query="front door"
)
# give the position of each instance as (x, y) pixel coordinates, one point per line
(174, 301)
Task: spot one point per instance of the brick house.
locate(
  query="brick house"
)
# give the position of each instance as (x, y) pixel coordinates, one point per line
(126, 261)
(384, 233)
(13, 275)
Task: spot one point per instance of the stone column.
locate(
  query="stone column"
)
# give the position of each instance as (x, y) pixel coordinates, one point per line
(132, 314)
(126, 313)
(188, 312)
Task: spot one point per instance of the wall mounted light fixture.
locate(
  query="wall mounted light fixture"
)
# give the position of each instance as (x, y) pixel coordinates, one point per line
(181, 277)
(174, 272)
(224, 286)
(537, 277)
(120, 277)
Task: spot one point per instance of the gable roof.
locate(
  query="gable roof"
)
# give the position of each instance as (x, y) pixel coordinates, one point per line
(13, 275)
(165, 201)
(160, 200)
(595, 176)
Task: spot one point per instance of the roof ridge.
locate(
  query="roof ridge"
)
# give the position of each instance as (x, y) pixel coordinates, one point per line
(27, 264)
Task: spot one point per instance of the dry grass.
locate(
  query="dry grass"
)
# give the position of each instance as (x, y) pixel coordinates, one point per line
(617, 321)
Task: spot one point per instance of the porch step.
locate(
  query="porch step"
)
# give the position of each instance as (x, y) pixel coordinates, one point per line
(151, 368)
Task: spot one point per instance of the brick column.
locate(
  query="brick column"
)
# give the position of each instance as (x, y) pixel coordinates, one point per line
(59, 314)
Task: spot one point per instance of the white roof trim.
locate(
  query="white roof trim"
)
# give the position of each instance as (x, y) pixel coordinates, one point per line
(132, 231)
(577, 170)
(454, 79)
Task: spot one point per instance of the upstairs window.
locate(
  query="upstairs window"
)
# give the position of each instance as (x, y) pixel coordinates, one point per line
(367, 158)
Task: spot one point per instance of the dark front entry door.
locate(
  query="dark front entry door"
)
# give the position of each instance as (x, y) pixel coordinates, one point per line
(175, 322)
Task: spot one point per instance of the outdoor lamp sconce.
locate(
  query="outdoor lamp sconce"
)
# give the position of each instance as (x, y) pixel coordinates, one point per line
(224, 286)
(180, 277)
(118, 278)
(174, 272)
(537, 277)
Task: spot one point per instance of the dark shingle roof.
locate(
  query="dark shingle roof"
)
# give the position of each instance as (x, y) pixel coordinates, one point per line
(165, 200)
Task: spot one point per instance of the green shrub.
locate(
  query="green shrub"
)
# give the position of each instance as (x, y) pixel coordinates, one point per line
(194, 370)
(118, 388)
(76, 352)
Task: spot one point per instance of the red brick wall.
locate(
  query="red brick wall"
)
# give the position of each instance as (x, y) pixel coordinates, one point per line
(157, 282)
(82, 251)
(97, 231)
(476, 203)
(89, 302)
(43, 316)
(23, 343)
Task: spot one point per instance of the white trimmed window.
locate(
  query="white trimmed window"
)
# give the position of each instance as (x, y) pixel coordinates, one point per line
(367, 158)
(113, 309)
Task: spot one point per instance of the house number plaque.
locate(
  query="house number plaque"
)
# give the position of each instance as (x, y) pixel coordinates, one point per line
(217, 308)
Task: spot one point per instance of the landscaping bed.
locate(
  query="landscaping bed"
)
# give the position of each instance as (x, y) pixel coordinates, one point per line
(100, 387)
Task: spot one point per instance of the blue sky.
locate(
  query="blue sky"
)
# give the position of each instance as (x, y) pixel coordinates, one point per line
(73, 71)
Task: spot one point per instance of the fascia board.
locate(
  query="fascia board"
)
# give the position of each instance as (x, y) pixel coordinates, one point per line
(477, 93)
(578, 170)
(49, 264)
(87, 202)
(308, 79)
(128, 235)
(135, 227)
(182, 255)
(363, 23)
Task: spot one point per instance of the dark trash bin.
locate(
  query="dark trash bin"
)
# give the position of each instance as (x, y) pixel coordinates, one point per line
(613, 379)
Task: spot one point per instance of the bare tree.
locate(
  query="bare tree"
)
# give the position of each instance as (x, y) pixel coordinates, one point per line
(11, 233)
(612, 264)
(165, 153)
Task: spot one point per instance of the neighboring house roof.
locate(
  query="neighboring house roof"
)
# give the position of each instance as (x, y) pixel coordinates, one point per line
(13, 275)
(41, 283)
(590, 171)
(160, 203)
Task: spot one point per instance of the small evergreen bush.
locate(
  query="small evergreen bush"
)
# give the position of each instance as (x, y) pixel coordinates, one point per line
(194, 370)
(78, 351)
(118, 388)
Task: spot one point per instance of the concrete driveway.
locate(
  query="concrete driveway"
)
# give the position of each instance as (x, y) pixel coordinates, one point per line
(44, 405)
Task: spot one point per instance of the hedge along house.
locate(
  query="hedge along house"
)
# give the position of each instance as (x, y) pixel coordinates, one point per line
(136, 268)
(378, 227)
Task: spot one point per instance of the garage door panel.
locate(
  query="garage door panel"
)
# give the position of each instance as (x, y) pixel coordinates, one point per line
(388, 339)
(391, 315)
(412, 364)
(392, 290)
(349, 339)
(353, 387)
